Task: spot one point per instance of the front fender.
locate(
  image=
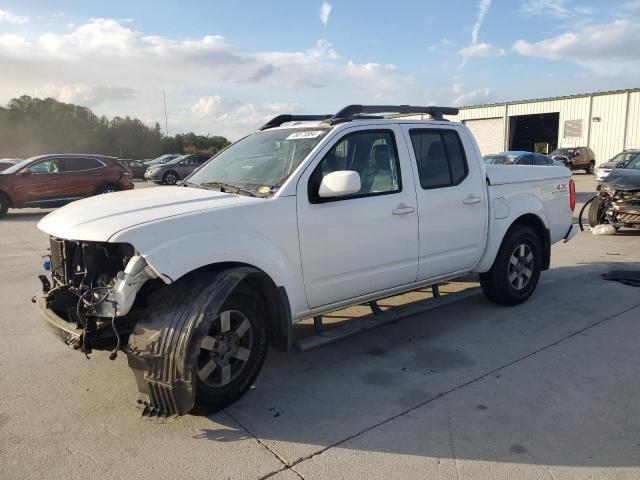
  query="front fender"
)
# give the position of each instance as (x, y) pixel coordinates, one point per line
(517, 205)
(176, 256)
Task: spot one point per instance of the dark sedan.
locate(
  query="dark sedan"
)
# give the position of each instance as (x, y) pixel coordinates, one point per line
(136, 167)
(176, 169)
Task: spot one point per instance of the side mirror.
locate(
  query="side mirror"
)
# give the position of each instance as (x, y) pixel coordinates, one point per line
(24, 172)
(339, 184)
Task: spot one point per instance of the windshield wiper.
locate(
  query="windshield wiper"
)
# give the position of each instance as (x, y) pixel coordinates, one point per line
(192, 185)
(228, 187)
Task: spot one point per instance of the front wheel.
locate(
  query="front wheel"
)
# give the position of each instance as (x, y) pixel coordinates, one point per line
(516, 268)
(107, 189)
(231, 356)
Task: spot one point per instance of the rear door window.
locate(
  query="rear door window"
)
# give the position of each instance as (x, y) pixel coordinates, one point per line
(78, 164)
(526, 160)
(440, 158)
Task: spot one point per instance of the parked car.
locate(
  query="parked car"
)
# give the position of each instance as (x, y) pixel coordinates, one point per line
(176, 169)
(310, 214)
(162, 159)
(576, 158)
(619, 161)
(517, 157)
(48, 181)
(8, 162)
(618, 200)
(136, 167)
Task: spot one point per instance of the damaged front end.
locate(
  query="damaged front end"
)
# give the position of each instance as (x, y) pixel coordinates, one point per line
(617, 203)
(93, 289)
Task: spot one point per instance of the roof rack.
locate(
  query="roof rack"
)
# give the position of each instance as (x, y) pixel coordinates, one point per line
(355, 111)
(361, 112)
(280, 119)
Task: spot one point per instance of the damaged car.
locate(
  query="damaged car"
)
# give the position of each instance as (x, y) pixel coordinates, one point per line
(618, 200)
(308, 215)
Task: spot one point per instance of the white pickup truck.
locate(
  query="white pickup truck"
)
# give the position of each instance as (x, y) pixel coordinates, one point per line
(307, 215)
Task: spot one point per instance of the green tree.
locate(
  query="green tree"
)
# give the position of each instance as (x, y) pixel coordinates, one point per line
(33, 126)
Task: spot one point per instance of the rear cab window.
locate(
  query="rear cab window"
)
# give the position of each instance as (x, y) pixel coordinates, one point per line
(440, 158)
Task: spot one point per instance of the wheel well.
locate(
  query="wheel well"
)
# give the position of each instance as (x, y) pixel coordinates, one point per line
(274, 297)
(536, 224)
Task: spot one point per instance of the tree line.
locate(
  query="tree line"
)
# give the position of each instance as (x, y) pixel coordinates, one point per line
(34, 126)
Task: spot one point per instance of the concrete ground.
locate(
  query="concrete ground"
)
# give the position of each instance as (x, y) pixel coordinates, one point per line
(547, 389)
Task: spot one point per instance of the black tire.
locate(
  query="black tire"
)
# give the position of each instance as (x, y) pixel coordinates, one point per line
(170, 178)
(107, 189)
(590, 167)
(498, 283)
(596, 212)
(4, 205)
(209, 395)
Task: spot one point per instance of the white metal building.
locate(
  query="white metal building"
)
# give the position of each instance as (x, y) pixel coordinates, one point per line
(608, 122)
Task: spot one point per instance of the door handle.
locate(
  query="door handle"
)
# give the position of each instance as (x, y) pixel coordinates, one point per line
(471, 199)
(403, 209)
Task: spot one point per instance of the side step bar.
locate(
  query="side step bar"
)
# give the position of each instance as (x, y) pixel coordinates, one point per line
(326, 335)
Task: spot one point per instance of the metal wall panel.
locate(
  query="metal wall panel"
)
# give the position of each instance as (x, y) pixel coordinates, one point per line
(606, 136)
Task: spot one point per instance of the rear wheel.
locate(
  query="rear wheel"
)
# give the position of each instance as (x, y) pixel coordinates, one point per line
(170, 178)
(591, 167)
(107, 189)
(4, 205)
(516, 269)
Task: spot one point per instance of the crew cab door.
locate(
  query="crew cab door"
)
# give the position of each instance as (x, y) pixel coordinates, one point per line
(365, 242)
(450, 188)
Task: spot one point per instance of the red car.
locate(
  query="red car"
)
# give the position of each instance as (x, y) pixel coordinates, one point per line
(50, 181)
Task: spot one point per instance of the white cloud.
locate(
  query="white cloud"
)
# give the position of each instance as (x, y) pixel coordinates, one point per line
(476, 49)
(325, 12)
(634, 5)
(474, 96)
(13, 45)
(482, 50)
(553, 8)
(9, 17)
(86, 94)
(615, 41)
(104, 62)
(442, 45)
(483, 7)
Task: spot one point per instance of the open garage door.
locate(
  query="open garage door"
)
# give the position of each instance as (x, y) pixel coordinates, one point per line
(489, 133)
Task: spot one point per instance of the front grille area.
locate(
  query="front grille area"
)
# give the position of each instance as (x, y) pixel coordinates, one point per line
(57, 258)
(628, 218)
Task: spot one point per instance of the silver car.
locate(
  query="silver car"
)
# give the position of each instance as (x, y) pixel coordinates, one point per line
(176, 169)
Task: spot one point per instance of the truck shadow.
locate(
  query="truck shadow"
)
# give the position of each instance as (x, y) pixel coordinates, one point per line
(539, 383)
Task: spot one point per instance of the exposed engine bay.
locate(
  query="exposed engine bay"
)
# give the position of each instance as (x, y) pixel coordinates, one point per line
(92, 285)
(617, 202)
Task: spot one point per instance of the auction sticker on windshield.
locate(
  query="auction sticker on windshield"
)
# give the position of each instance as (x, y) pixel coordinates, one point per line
(305, 134)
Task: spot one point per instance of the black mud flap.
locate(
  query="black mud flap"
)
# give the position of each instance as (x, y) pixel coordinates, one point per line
(160, 349)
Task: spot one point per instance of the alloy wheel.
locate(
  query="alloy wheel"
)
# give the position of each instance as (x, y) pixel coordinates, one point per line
(520, 267)
(225, 351)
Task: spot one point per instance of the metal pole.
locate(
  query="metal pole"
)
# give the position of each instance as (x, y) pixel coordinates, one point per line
(166, 121)
(626, 123)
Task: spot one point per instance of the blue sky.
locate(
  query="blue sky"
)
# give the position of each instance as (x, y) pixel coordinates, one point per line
(226, 66)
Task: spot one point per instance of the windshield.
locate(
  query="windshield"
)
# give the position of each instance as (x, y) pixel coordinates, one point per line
(161, 160)
(624, 157)
(262, 161)
(563, 151)
(176, 160)
(635, 163)
(499, 159)
(18, 166)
